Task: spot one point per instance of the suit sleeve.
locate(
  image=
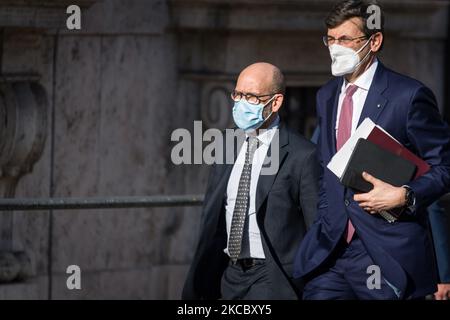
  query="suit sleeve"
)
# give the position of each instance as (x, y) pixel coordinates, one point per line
(309, 181)
(317, 139)
(210, 185)
(430, 136)
(322, 201)
(189, 291)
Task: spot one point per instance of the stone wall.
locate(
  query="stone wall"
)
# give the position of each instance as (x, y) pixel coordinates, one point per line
(112, 90)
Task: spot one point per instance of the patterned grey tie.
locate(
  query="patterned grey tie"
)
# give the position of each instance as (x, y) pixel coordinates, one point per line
(242, 202)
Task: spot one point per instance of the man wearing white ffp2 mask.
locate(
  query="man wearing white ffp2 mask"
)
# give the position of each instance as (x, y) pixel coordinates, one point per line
(351, 237)
(346, 60)
(350, 55)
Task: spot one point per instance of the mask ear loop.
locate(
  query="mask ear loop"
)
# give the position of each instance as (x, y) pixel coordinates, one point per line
(271, 99)
(362, 48)
(368, 53)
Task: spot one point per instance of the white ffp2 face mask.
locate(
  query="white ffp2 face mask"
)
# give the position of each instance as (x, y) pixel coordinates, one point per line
(345, 60)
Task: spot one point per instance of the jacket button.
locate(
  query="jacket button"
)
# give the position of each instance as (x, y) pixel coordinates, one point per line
(347, 203)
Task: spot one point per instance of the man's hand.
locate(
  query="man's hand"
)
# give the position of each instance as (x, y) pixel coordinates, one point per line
(443, 292)
(383, 196)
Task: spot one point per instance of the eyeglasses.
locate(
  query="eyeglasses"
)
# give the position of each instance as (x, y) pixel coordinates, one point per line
(250, 98)
(328, 41)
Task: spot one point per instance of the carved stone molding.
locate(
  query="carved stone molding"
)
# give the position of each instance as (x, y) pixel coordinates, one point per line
(409, 18)
(14, 266)
(36, 13)
(23, 129)
(23, 126)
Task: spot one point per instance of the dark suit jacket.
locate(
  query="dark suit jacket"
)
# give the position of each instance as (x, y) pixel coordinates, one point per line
(403, 250)
(285, 207)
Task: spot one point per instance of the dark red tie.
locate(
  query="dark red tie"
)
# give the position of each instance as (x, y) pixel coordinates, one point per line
(343, 134)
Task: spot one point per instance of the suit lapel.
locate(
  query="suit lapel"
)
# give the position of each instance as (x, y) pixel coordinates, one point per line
(331, 108)
(373, 106)
(375, 101)
(265, 182)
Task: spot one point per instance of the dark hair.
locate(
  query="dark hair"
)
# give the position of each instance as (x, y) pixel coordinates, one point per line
(278, 84)
(348, 9)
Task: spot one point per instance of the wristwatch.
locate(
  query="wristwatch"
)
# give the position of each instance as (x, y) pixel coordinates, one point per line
(410, 198)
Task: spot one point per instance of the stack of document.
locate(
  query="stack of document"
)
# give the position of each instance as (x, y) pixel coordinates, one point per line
(375, 151)
(375, 134)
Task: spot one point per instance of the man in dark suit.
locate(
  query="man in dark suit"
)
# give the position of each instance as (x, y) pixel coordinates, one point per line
(438, 216)
(351, 251)
(252, 221)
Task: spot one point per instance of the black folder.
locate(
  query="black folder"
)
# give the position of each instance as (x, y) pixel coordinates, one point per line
(378, 162)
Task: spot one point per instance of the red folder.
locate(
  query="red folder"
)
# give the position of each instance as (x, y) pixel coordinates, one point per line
(380, 138)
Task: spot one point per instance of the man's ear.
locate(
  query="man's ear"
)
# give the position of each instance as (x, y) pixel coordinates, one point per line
(376, 42)
(277, 102)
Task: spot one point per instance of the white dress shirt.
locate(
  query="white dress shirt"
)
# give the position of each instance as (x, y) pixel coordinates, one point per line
(265, 138)
(359, 97)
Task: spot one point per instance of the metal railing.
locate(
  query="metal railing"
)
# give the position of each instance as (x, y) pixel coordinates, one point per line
(100, 202)
(16, 266)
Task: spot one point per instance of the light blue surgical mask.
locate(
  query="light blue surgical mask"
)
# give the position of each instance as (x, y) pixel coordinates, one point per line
(249, 116)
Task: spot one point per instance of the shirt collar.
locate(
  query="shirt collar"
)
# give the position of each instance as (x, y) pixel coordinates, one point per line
(365, 80)
(267, 134)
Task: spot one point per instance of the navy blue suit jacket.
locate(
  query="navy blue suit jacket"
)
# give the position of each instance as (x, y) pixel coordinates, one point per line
(403, 250)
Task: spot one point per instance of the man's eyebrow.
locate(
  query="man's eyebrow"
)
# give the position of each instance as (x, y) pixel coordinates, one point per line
(342, 36)
(249, 93)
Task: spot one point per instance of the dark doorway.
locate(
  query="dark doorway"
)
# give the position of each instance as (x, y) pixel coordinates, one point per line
(299, 110)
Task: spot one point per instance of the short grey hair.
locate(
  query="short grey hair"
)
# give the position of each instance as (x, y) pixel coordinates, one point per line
(278, 83)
